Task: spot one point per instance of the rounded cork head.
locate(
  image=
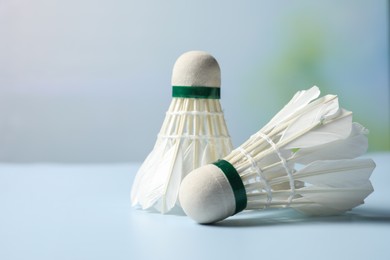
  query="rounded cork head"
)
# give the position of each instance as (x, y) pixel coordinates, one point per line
(206, 195)
(196, 68)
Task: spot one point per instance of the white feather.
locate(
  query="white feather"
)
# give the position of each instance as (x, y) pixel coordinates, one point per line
(299, 100)
(354, 145)
(147, 170)
(167, 183)
(315, 126)
(325, 201)
(324, 133)
(333, 173)
(157, 178)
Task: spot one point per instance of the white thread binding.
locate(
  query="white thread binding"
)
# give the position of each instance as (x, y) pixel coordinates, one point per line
(192, 137)
(259, 173)
(203, 113)
(284, 163)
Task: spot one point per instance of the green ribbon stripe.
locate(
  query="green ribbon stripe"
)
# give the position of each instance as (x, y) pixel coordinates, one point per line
(235, 182)
(196, 92)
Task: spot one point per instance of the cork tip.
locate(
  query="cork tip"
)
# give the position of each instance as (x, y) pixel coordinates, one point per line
(196, 68)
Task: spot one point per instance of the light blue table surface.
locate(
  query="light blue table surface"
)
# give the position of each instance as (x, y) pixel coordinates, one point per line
(51, 211)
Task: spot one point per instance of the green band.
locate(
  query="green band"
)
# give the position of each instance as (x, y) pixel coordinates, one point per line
(196, 92)
(235, 182)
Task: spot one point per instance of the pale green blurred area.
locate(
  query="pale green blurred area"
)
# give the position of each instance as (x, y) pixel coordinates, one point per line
(89, 81)
(343, 55)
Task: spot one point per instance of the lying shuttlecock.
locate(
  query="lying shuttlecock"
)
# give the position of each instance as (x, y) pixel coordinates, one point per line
(304, 158)
(193, 133)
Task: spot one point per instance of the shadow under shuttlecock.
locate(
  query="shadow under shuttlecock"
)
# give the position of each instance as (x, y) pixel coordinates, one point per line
(176, 211)
(287, 216)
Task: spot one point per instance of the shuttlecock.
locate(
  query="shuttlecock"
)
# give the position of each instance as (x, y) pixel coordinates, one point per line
(193, 133)
(304, 158)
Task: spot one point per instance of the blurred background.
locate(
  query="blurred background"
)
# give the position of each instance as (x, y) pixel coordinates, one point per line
(89, 81)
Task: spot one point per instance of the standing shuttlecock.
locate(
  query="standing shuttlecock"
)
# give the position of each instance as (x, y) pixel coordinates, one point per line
(193, 133)
(303, 158)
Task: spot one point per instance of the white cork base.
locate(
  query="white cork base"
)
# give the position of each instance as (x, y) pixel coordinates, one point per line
(206, 195)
